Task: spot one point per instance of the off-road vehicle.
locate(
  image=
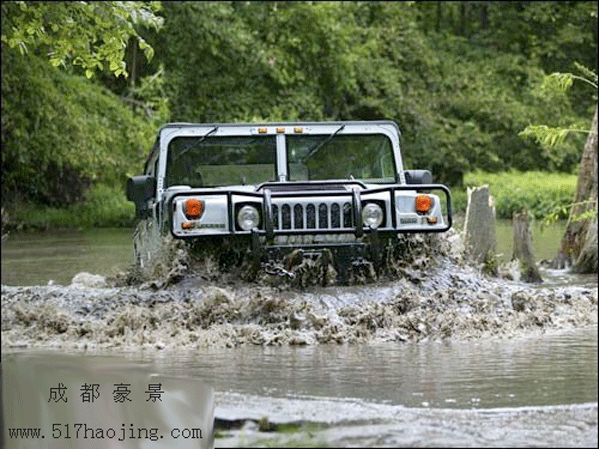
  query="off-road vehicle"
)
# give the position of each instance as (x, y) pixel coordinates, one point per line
(336, 190)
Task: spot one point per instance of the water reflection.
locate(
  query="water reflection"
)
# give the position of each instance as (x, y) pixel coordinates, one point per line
(560, 368)
(37, 258)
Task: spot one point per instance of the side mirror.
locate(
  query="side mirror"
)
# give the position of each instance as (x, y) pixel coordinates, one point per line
(418, 176)
(139, 190)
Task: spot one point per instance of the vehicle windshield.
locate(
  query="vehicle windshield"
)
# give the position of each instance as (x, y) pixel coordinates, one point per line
(219, 161)
(344, 156)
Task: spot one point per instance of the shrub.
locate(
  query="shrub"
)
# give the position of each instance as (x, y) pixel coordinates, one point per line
(541, 193)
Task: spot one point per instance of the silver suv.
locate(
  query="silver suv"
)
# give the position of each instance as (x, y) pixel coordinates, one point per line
(274, 188)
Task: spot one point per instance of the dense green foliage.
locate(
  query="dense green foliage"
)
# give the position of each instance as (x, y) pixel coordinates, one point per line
(105, 206)
(462, 79)
(460, 94)
(91, 36)
(542, 194)
(560, 83)
(60, 134)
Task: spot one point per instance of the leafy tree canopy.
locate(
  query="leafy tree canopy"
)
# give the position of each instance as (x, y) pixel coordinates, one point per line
(91, 35)
(462, 79)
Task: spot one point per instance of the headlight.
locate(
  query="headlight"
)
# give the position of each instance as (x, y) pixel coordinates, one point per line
(372, 215)
(248, 218)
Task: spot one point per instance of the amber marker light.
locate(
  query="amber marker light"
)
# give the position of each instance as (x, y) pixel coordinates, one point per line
(280, 130)
(186, 225)
(298, 130)
(262, 130)
(423, 203)
(194, 208)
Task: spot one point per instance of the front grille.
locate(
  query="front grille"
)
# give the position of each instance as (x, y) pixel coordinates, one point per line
(334, 215)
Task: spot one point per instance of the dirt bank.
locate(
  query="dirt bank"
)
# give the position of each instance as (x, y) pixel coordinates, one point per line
(434, 296)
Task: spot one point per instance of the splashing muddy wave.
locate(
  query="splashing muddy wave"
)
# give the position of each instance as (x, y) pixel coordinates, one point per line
(192, 302)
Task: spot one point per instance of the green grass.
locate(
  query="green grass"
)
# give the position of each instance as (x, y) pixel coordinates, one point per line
(106, 206)
(542, 194)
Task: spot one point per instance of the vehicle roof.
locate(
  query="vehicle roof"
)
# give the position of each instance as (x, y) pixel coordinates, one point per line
(155, 147)
(295, 123)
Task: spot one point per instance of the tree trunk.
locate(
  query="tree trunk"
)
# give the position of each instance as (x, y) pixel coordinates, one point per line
(523, 248)
(587, 261)
(479, 229)
(579, 244)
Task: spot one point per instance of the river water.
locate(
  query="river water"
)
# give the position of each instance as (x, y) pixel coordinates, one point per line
(34, 258)
(538, 389)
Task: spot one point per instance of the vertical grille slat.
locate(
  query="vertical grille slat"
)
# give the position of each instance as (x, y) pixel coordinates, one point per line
(335, 216)
(311, 216)
(347, 215)
(298, 217)
(323, 220)
(286, 216)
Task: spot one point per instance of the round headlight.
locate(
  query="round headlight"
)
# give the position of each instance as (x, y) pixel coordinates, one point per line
(372, 215)
(248, 218)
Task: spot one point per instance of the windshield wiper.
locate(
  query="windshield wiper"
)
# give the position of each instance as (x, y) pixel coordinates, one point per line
(320, 144)
(191, 147)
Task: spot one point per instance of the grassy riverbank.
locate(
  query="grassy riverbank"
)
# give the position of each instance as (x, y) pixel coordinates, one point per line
(106, 206)
(541, 193)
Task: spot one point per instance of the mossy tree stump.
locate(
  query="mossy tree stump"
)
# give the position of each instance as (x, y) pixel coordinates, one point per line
(523, 250)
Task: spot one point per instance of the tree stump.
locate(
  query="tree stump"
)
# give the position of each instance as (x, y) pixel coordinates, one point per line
(523, 248)
(479, 229)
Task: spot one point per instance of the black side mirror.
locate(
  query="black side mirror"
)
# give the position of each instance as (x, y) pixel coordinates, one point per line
(139, 190)
(418, 177)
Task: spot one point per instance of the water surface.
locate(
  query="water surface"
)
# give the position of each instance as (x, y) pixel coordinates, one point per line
(37, 258)
(553, 369)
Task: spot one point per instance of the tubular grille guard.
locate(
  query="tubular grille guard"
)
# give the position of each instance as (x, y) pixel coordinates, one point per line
(352, 197)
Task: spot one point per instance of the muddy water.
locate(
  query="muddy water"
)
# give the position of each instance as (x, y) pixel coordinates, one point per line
(39, 258)
(538, 390)
(552, 369)
(528, 375)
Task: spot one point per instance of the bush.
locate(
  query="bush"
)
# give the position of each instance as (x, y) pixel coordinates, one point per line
(541, 193)
(62, 134)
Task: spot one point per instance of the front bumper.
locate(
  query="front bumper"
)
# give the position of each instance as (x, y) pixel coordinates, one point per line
(313, 209)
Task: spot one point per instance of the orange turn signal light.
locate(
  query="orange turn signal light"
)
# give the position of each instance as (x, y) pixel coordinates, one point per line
(194, 208)
(423, 203)
(186, 225)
